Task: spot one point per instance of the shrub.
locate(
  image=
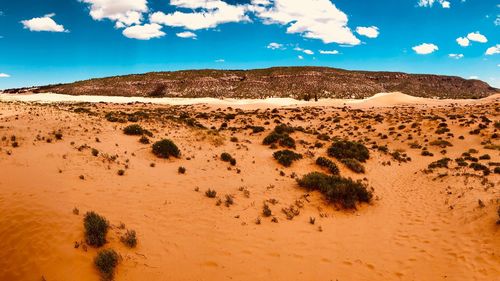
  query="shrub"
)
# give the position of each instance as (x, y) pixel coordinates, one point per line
(210, 193)
(181, 170)
(441, 143)
(257, 129)
(280, 135)
(266, 211)
(96, 228)
(337, 190)
(95, 152)
(166, 148)
(327, 163)
(144, 140)
(129, 238)
(121, 172)
(106, 262)
(353, 165)
(441, 163)
(226, 157)
(343, 149)
(286, 157)
(134, 129)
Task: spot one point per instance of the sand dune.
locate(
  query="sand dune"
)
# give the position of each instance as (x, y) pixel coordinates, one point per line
(378, 100)
(421, 225)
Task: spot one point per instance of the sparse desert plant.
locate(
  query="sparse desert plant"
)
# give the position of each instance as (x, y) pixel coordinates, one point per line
(210, 193)
(166, 148)
(327, 163)
(338, 190)
(181, 170)
(353, 165)
(257, 129)
(344, 149)
(144, 140)
(441, 143)
(441, 163)
(226, 157)
(266, 211)
(95, 152)
(121, 172)
(133, 130)
(96, 228)
(286, 157)
(106, 262)
(129, 238)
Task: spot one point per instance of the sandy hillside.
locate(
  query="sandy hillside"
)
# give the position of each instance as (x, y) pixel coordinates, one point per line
(425, 221)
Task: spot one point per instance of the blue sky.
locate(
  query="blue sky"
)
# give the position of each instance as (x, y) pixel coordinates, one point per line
(53, 41)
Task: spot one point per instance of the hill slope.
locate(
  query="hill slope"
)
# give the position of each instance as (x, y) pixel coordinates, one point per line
(296, 82)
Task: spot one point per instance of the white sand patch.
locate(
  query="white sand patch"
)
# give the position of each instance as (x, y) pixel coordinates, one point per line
(378, 100)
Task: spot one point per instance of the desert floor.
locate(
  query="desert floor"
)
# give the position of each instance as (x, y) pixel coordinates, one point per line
(422, 224)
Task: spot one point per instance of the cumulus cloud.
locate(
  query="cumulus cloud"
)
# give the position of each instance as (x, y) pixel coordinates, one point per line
(463, 41)
(144, 32)
(186, 34)
(305, 51)
(300, 57)
(331, 52)
(45, 23)
(493, 50)
(206, 14)
(425, 49)
(275, 46)
(123, 12)
(318, 19)
(477, 37)
(4, 75)
(456, 56)
(370, 32)
(429, 3)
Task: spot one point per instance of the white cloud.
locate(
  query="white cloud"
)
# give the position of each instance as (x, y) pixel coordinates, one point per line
(463, 41)
(429, 3)
(143, 32)
(4, 75)
(186, 34)
(318, 19)
(45, 23)
(275, 46)
(305, 51)
(123, 12)
(300, 57)
(370, 32)
(497, 21)
(477, 37)
(474, 77)
(332, 52)
(456, 56)
(493, 50)
(207, 14)
(425, 49)
(220, 60)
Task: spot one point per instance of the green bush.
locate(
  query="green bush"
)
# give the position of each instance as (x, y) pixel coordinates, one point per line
(344, 149)
(286, 157)
(353, 165)
(327, 163)
(280, 135)
(133, 129)
(96, 228)
(166, 148)
(337, 190)
(226, 157)
(106, 262)
(136, 130)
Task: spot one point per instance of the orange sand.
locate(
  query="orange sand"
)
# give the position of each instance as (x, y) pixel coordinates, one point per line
(419, 227)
